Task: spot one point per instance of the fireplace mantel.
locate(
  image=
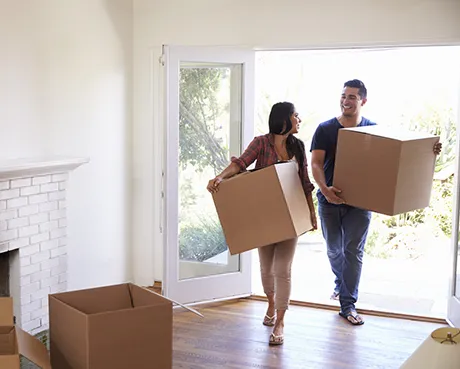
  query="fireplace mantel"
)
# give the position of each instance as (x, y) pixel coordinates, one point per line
(33, 233)
(27, 167)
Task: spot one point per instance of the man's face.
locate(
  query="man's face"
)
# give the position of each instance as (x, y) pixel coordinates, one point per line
(351, 102)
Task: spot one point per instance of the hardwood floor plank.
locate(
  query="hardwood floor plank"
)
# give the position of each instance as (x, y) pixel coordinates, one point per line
(231, 335)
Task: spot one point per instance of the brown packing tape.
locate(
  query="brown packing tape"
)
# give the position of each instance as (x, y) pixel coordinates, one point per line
(178, 303)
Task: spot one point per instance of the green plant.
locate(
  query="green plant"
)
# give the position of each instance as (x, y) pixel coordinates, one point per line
(402, 235)
(202, 240)
(200, 139)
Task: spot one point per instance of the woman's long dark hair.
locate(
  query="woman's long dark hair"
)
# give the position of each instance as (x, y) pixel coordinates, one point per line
(279, 123)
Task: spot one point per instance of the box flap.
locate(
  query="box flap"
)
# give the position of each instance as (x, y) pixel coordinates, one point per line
(399, 134)
(33, 349)
(97, 300)
(142, 297)
(6, 311)
(175, 302)
(9, 362)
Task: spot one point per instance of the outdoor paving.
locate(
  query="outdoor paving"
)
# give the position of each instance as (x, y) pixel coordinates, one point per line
(416, 287)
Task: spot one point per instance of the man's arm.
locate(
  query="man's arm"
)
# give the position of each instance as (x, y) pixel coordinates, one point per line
(317, 167)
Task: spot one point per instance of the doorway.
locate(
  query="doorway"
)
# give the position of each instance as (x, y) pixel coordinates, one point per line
(408, 258)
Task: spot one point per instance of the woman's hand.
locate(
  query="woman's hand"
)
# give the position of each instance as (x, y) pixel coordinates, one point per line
(314, 220)
(213, 184)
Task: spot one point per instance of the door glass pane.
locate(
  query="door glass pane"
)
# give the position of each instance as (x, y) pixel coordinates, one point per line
(209, 134)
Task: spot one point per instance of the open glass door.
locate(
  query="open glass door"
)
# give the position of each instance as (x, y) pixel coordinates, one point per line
(453, 313)
(209, 117)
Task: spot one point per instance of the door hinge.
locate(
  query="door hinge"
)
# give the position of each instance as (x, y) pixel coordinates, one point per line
(161, 60)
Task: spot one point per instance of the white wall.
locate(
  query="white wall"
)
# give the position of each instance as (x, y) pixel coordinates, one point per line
(68, 71)
(258, 24)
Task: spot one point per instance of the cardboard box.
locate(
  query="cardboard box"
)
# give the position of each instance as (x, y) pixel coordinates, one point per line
(14, 341)
(385, 171)
(115, 327)
(261, 207)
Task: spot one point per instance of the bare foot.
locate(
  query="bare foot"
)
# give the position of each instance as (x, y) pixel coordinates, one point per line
(277, 337)
(270, 317)
(278, 329)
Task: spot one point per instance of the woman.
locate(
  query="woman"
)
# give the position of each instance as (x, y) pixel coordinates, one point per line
(276, 259)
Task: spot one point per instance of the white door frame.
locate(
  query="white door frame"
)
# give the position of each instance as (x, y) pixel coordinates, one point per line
(453, 308)
(220, 286)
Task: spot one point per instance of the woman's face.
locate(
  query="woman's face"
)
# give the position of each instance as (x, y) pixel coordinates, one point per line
(295, 120)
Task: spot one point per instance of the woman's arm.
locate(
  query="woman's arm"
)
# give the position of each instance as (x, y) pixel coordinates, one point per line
(231, 170)
(237, 165)
(311, 206)
(308, 188)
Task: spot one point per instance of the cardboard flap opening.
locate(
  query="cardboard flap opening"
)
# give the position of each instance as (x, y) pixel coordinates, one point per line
(98, 300)
(8, 341)
(175, 302)
(33, 349)
(400, 134)
(9, 362)
(6, 311)
(142, 297)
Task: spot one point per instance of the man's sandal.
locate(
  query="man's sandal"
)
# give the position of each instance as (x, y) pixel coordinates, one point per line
(269, 321)
(352, 317)
(276, 340)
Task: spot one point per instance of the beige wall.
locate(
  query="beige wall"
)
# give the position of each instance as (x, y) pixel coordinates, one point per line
(66, 89)
(256, 24)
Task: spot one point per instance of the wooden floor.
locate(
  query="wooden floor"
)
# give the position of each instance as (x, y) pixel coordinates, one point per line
(231, 336)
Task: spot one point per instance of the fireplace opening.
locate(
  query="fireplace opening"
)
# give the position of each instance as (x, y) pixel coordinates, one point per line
(4, 274)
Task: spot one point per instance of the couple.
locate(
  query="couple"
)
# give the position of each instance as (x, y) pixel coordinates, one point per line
(344, 227)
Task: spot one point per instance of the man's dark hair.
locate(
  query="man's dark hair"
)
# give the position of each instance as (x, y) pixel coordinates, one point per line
(356, 83)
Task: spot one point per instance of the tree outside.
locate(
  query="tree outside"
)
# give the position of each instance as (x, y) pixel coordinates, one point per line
(203, 153)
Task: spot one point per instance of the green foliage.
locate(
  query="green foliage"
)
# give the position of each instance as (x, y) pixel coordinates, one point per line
(439, 122)
(200, 144)
(405, 234)
(202, 240)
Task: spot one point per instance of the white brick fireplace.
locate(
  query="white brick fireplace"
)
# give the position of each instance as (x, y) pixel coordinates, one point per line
(33, 232)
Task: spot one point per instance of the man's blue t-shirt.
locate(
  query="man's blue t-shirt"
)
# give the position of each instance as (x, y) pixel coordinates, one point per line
(325, 138)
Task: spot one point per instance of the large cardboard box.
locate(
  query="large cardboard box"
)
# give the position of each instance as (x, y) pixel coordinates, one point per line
(15, 342)
(115, 327)
(260, 207)
(385, 171)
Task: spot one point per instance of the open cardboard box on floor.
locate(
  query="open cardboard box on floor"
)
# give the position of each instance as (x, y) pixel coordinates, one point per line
(114, 327)
(260, 207)
(385, 171)
(14, 341)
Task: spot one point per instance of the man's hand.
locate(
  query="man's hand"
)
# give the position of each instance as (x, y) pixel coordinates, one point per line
(437, 148)
(330, 193)
(213, 184)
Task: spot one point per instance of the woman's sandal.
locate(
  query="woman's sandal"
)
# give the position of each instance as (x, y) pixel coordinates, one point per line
(276, 340)
(269, 321)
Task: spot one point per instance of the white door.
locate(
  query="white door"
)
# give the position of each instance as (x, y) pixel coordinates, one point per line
(209, 117)
(453, 313)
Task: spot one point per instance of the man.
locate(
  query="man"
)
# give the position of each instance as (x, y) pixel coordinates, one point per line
(344, 227)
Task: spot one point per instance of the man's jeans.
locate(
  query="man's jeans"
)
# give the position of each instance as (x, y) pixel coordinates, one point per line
(345, 230)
